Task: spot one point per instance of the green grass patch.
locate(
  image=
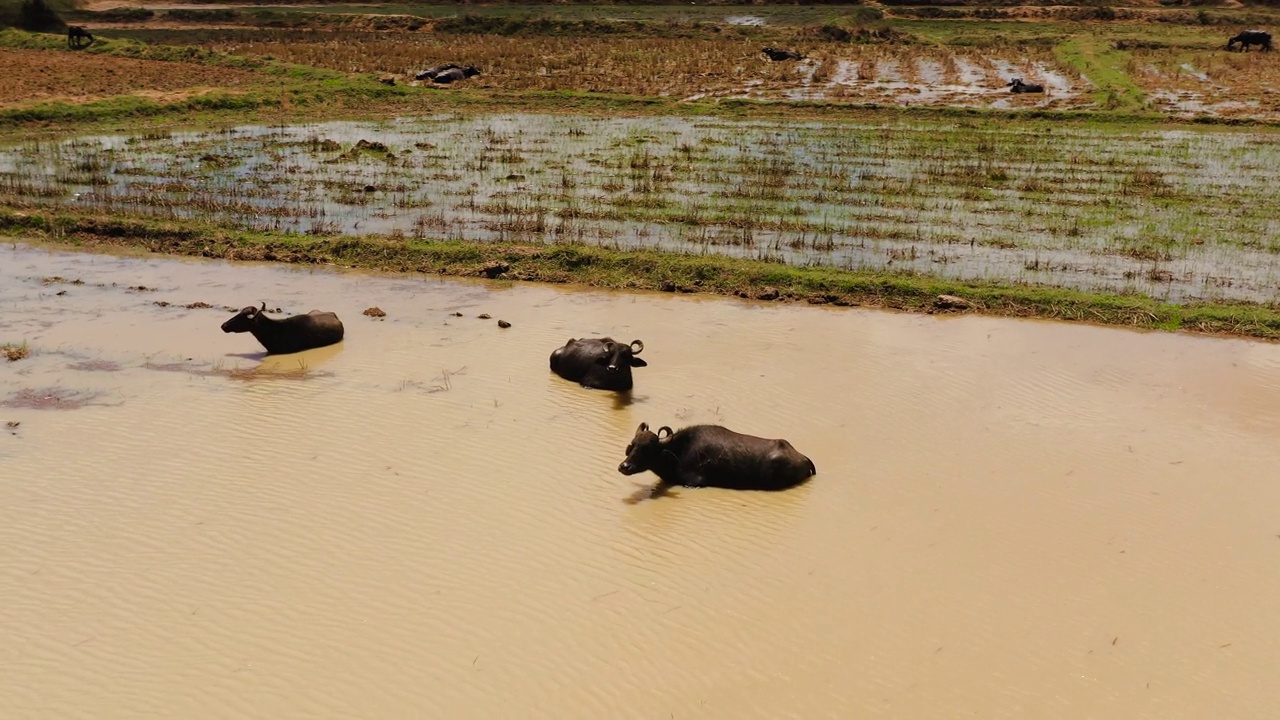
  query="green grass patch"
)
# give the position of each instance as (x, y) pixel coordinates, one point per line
(1099, 61)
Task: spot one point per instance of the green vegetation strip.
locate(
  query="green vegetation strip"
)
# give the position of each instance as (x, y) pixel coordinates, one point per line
(642, 269)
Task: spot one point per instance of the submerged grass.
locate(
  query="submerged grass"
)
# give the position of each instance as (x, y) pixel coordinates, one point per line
(14, 353)
(643, 269)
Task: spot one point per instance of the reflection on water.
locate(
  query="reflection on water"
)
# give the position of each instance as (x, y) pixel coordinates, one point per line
(1011, 519)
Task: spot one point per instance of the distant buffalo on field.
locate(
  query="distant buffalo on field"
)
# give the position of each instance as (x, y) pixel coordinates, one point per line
(1017, 86)
(430, 73)
(447, 73)
(75, 34)
(1251, 37)
(455, 74)
(777, 55)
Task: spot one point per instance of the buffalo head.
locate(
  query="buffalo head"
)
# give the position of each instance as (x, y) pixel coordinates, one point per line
(618, 356)
(644, 450)
(243, 320)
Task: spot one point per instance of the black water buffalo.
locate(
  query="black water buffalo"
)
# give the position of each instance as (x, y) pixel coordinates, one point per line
(75, 34)
(455, 74)
(714, 456)
(600, 363)
(290, 335)
(777, 55)
(1017, 86)
(430, 73)
(1251, 37)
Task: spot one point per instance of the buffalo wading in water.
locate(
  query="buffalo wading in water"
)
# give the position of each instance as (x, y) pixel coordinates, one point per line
(1251, 37)
(714, 456)
(600, 363)
(75, 34)
(455, 74)
(290, 335)
(777, 55)
(1017, 86)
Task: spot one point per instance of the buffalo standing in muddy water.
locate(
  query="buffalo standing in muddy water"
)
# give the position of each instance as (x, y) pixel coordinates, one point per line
(714, 456)
(293, 334)
(600, 363)
(1251, 37)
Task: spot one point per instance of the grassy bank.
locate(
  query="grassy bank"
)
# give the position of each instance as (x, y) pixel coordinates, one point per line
(645, 269)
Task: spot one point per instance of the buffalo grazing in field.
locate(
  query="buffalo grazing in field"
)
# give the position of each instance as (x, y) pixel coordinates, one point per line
(75, 34)
(1251, 37)
(714, 456)
(290, 335)
(599, 363)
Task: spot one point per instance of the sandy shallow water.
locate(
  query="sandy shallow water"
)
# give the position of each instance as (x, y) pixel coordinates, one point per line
(1010, 518)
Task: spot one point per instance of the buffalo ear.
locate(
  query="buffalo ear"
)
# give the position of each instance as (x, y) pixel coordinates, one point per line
(637, 362)
(664, 437)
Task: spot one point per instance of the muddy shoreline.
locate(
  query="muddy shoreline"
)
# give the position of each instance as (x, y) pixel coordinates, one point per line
(644, 270)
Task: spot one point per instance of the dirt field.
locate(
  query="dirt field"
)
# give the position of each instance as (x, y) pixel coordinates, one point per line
(41, 75)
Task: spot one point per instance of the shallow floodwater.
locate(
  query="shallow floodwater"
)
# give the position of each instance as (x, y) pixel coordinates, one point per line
(1178, 215)
(1010, 518)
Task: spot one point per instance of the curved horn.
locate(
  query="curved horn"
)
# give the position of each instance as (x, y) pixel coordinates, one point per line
(644, 427)
(637, 347)
(663, 437)
(264, 306)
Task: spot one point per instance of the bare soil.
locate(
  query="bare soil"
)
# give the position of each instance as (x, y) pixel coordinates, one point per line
(41, 75)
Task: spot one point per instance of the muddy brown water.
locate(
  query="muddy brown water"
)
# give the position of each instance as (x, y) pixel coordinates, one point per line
(1011, 519)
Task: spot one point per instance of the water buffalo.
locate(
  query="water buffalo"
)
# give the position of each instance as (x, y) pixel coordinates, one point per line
(714, 456)
(777, 55)
(290, 335)
(1251, 37)
(600, 363)
(431, 73)
(1017, 86)
(75, 34)
(455, 74)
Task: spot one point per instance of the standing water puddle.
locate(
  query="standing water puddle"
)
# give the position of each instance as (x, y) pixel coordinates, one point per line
(1010, 518)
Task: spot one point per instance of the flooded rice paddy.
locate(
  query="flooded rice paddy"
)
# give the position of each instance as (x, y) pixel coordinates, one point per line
(1010, 518)
(1181, 215)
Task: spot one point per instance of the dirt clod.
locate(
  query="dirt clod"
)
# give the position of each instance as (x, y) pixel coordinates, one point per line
(504, 324)
(484, 316)
(952, 302)
(375, 311)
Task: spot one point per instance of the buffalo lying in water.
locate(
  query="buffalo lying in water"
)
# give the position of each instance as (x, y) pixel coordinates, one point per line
(1017, 86)
(714, 456)
(290, 335)
(1251, 37)
(600, 363)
